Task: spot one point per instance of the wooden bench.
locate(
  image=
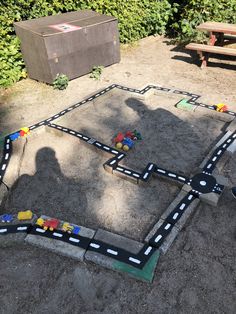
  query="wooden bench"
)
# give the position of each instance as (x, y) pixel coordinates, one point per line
(204, 50)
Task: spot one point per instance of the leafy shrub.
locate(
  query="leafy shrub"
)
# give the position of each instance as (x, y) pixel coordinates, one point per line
(60, 82)
(137, 19)
(96, 72)
(191, 13)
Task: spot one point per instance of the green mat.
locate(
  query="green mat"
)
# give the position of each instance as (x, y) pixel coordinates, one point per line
(184, 105)
(146, 274)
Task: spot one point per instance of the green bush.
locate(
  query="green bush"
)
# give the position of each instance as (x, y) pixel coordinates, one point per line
(192, 12)
(60, 82)
(137, 19)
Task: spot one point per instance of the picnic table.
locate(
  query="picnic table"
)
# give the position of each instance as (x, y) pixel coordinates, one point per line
(217, 32)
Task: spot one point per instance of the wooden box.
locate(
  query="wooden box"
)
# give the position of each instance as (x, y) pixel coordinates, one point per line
(70, 43)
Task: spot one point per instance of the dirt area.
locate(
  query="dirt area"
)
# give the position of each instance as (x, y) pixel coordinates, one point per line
(61, 177)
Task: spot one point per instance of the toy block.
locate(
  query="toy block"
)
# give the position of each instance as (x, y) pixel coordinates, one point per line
(114, 244)
(58, 240)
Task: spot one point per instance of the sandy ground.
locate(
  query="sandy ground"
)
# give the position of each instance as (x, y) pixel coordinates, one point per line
(198, 273)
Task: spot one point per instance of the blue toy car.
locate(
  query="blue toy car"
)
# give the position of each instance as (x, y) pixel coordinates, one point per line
(6, 218)
(127, 141)
(76, 229)
(14, 136)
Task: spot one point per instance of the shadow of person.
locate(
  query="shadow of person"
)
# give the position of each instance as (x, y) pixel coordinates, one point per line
(168, 140)
(48, 191)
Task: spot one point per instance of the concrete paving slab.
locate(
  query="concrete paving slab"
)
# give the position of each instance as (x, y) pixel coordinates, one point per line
(9, 239)
(232, 126)
(214, 114)
(221, 141)
(221, 163)
(3, 191)
(129, 245)
(60, 247)
(12, 170)
(169, 239)
(222, 180)
(173, 204)
(210, 198)
(232, 148)
(125, 177)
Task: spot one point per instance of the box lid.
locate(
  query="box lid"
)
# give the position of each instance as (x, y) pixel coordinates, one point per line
(63, 23)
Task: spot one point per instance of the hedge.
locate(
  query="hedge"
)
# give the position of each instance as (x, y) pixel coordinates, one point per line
(192, 13)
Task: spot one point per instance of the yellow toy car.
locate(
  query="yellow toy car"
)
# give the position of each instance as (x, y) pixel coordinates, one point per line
(67, 227)
(40, 222)
(25, 215)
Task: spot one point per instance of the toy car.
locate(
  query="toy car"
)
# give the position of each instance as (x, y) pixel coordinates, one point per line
(221, 107)
(118, 138)
(51, 224)
(6, 218)
(24, 131)
(14, 136)
(25, 215)
(67, 227)
(76, 230)
(40, 222)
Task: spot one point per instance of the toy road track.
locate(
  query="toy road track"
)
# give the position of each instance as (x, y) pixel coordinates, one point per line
(200, 184)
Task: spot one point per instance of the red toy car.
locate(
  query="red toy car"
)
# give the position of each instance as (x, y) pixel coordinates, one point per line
(51, 224)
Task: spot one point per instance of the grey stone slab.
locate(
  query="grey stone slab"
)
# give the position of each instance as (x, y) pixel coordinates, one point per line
(222, 180)
(169, 239)
(221, 163)
(206, 159)
(227, 134)
(173, 204)
(125, 177)
(38, 131)
(9, 239)
(232, 126)
(3, 192)
(116, 240)
(232, 148)
(12, 239)
(215, 114)
(210, 198)
(12, 170)
(60, 247)
(55, 131)
(187, 213)
(186, 188)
